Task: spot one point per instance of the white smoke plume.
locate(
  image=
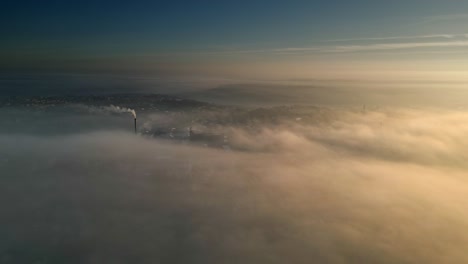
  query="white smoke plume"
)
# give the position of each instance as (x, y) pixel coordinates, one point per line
(118, 109)
(103, 109)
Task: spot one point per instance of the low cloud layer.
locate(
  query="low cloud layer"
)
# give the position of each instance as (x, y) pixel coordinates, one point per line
(386, 186)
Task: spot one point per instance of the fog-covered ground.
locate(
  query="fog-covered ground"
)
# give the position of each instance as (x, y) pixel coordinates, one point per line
(300, 185)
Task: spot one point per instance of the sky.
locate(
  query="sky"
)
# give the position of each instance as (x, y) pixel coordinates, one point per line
(250, 40)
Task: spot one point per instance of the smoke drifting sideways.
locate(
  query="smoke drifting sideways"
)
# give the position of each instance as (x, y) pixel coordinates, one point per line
(105, 109)
(118, 109)
(387, 186)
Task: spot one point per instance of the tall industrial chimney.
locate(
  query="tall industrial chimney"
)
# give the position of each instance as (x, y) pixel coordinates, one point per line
(135, 126)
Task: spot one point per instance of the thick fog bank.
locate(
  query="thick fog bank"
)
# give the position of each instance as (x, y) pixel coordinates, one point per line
(363, 187)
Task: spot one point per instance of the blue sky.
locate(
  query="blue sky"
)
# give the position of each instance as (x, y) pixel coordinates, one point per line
(228, 35)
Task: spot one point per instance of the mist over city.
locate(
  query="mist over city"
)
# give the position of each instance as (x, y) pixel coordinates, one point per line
(270, 132)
